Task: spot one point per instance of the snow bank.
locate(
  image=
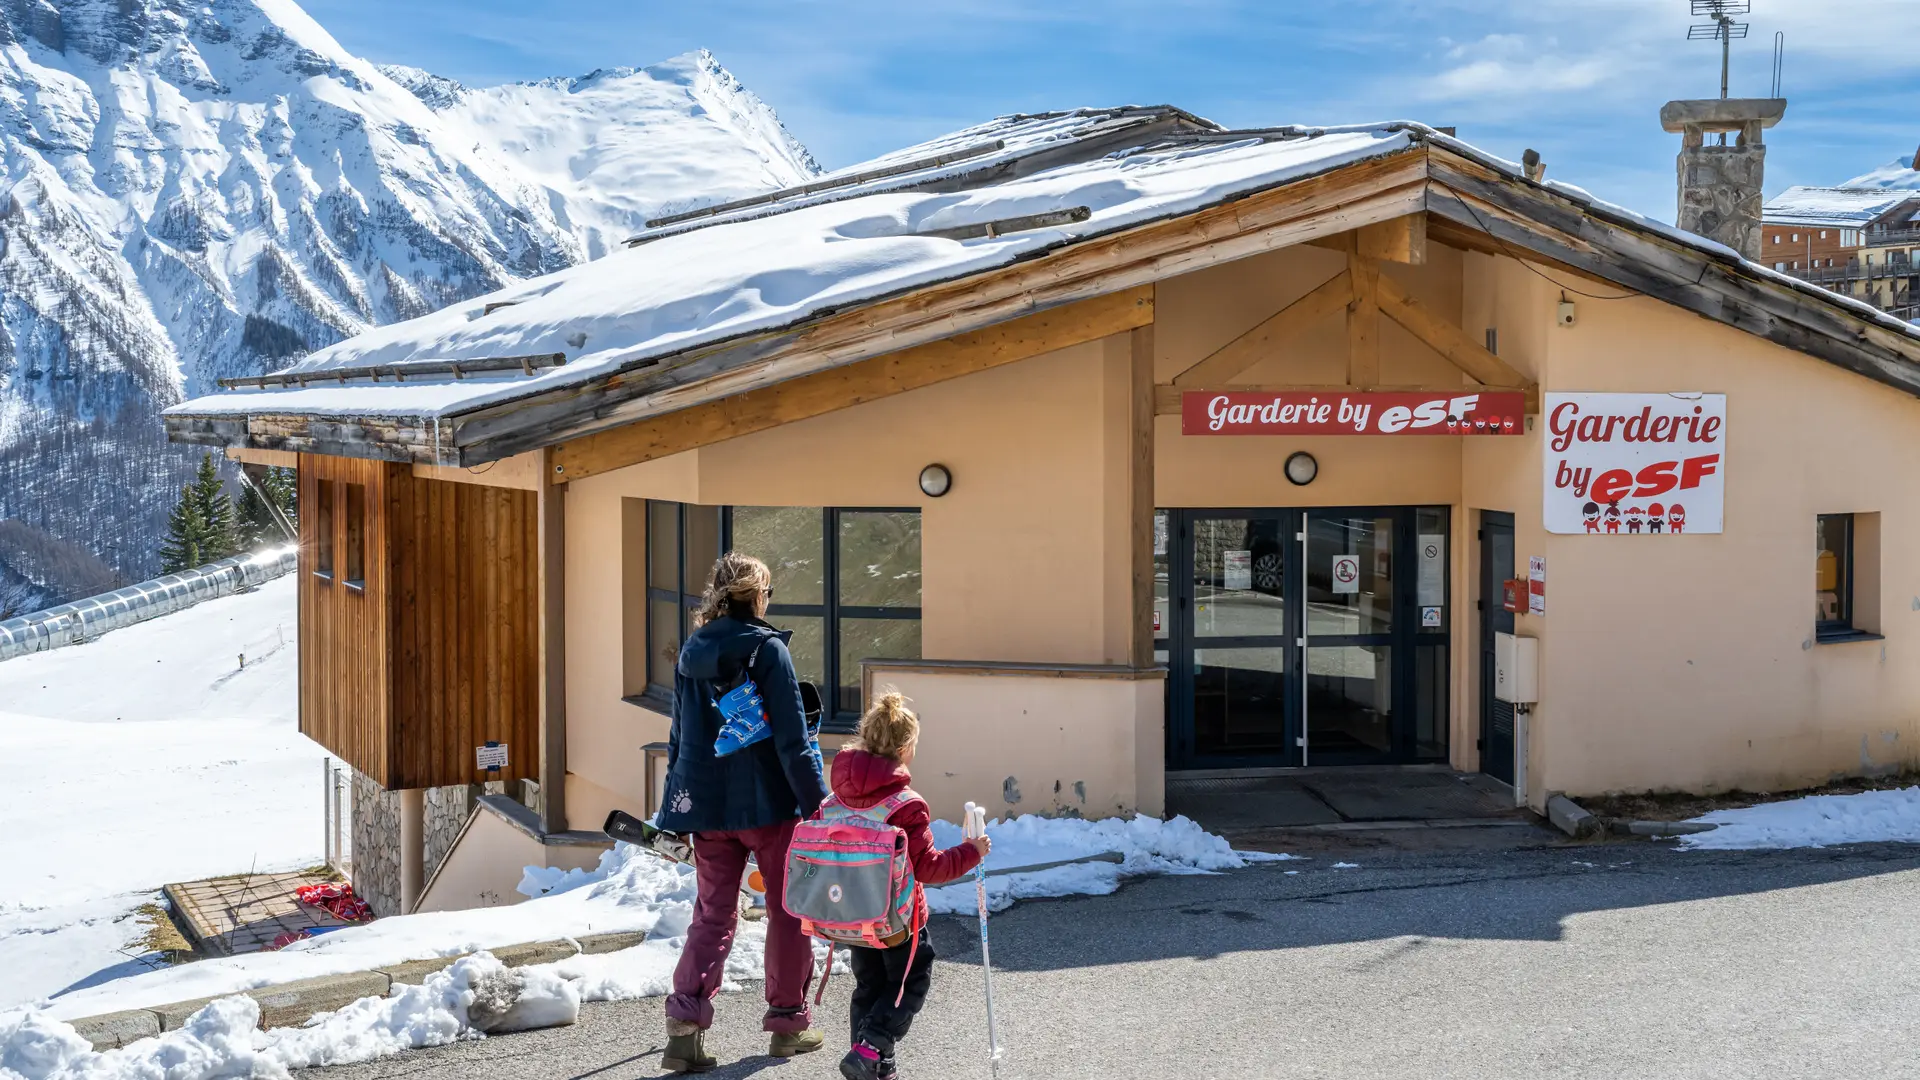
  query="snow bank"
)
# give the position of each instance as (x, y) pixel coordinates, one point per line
(631, 889)
(1815, 821)
(1147, 846)
(222, 1040)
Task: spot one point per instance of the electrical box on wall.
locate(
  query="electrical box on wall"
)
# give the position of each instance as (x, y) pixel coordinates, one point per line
(1516, 669)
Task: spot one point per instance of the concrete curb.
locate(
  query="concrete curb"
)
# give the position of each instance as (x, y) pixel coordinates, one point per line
(1660, 829)
(1571, 818)
(293, 1004)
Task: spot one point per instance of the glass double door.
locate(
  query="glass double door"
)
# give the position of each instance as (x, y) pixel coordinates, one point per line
(1303, 637)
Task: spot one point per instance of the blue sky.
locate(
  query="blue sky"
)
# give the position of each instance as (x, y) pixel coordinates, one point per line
(1581, 82)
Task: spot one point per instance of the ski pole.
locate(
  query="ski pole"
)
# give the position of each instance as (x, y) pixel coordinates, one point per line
(977, 826)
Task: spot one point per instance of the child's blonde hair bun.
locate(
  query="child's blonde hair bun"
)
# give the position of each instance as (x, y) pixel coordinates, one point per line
(889, 726)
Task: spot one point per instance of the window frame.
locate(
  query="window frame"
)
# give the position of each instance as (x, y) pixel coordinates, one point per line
(323, 530)
(830, 611)
(354, 557)
(1841, 628)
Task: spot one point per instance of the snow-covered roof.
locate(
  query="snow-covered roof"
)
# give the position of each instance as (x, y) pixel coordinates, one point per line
(768, 267)
(900, 223)
(1833, 207)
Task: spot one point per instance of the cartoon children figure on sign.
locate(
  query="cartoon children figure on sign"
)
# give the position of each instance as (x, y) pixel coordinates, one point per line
(1590, 514)
(1677, 519)
(1634, 519)
(1656, 517)
(1613, 517)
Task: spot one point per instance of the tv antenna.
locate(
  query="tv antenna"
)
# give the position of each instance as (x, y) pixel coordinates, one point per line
(1723, 29)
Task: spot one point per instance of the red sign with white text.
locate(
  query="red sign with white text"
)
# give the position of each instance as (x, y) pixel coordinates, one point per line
(1385, 412)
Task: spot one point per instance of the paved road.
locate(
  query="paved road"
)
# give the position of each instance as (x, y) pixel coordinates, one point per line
(1619, 960)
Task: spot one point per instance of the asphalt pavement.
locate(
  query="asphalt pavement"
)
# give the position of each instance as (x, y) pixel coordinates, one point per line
(1615, 960)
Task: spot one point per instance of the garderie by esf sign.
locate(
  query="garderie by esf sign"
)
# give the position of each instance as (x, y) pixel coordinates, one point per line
(1385, 412)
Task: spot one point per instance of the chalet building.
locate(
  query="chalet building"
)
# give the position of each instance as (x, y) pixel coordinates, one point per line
(1132, 449)
(1859, 242)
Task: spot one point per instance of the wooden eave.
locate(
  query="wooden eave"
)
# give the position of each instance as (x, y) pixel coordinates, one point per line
(1470, 204)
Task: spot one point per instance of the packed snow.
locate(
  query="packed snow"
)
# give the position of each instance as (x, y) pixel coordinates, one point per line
(223, 1040)
(635, 890)
(631, 889)
(1814, 821)
(146, 756)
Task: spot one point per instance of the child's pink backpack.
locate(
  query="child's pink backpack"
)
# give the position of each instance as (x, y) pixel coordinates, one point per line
(849, 879)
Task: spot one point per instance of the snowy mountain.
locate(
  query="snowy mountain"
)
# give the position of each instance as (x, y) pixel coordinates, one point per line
(194, 189)
(1898, 173)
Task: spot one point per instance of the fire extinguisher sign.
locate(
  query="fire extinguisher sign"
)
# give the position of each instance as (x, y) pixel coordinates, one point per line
(1635, 464)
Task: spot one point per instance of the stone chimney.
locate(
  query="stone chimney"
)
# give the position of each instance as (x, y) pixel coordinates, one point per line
(1720, 185)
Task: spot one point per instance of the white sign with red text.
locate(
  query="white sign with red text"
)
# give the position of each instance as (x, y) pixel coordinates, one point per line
(1635, 464)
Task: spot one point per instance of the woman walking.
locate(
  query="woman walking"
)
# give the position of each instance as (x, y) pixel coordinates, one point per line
(744, 803)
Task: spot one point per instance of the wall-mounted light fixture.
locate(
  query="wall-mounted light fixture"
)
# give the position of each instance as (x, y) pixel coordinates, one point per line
(1301, 468)
(936, 481)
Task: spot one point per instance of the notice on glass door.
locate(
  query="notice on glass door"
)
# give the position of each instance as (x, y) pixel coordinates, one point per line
(1433, 570)
(1346, 573)
(1236, 570)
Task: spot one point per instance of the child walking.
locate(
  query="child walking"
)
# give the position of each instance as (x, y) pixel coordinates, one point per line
(891, 983)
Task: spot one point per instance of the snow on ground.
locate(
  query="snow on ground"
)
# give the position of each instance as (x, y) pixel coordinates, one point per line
(633, 889)
(1814, 821)
(146, 756)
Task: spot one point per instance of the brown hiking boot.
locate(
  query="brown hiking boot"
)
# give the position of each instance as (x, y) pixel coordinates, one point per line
(792, 1043)
(686, 1049)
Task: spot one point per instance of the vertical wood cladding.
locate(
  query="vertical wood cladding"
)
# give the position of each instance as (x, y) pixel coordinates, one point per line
(436, 654)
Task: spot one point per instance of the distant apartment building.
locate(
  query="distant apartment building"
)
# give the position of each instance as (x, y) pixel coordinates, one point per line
(1860, 242)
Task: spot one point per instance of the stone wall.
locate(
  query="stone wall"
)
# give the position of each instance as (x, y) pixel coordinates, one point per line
(376, 846)
(447, 811)
(1720, 194)
(376, 835)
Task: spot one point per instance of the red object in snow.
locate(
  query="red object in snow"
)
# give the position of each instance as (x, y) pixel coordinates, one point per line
(336, 900)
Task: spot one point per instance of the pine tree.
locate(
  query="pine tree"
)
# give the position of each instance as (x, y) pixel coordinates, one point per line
(186, 535)
(201, 527)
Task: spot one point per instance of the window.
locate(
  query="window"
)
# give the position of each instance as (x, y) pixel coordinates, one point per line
(1779, 266)
(1776, 238)
(1796, 238)
(323, 529)
(1823, 234)
(1833, 576)
(845, 581)
(355, 512)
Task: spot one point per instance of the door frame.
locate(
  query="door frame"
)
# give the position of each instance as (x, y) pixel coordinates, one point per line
(1493, 618)
(1178, 641)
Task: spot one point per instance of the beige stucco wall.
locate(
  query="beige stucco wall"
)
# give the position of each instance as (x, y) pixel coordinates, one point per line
(1024, 560)
(1684, 662)
(486, 863)
(1036, 744)
(1689, 663)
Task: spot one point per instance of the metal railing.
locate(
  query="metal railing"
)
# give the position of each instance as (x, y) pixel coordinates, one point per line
(83, 620)
(338, 797)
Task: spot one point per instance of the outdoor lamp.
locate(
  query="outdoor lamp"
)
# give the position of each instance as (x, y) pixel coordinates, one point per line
(936, 481)
(1301, 468)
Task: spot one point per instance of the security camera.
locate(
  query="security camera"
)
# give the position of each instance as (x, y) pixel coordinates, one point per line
(1566, 313)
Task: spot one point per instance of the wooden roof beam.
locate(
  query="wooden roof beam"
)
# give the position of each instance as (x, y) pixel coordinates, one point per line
(1445, 338)
(1257, 344)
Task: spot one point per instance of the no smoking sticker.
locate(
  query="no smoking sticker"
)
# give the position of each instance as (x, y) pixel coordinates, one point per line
(1346, 573)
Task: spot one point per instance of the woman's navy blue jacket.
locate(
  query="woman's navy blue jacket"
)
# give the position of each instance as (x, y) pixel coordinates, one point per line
(773, 780)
